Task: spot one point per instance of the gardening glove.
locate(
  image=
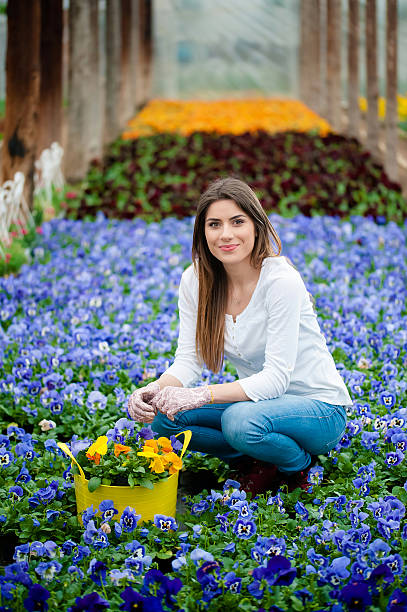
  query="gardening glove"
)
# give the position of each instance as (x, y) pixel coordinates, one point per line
(174, 399)
(139, 404)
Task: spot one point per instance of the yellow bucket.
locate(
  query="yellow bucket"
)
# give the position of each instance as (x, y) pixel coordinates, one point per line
(162, 499)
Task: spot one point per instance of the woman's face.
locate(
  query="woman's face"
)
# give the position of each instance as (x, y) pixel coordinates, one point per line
(229, 232)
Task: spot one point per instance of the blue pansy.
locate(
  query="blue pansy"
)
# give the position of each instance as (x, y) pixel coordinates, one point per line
(107, 510)
(244, 529)
(165, 523)
(129, 519)
(37, 598)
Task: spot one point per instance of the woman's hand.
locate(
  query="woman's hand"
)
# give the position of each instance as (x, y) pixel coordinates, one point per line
(139, 406)
(171, 400)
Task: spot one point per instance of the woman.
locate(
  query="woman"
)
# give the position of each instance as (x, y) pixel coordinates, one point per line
(241, 299)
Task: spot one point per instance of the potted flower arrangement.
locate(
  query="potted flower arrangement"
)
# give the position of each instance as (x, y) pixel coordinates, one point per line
(130, 467)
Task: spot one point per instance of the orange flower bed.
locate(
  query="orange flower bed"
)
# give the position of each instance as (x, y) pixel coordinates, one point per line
(224, 116)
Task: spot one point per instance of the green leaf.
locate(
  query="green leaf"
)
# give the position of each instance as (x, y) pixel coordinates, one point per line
(165, 554)
(345, 465)
(146, 483)
(94, 483)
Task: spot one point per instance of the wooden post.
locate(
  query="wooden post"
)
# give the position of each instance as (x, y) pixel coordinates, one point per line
(113, 76)
(333, 69)
(353, 68)
(23, 91)
(391, 91)
(79, 101)
(126, 101)
(372, 120)
(50, 108)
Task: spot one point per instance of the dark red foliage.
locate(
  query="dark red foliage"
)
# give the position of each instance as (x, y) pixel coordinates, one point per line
(291, 172)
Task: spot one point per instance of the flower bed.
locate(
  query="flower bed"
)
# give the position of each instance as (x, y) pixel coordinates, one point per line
(381, 111)
(291, 173)
(224, 117)
(94, 316)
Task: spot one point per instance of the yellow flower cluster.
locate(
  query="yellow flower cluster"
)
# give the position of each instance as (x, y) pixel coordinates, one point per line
(224, 116)
(159, 451)
(401, 107)
(162, 456)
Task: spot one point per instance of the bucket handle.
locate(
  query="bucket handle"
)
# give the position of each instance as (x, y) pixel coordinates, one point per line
(66, 450)
(187, 439)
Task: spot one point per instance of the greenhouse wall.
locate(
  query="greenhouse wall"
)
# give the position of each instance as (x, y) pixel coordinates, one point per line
(211, 48)
(208, 48)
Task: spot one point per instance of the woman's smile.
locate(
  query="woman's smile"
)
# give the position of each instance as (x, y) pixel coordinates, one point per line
(228, 247)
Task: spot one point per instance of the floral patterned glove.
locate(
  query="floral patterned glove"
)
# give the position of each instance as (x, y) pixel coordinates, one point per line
(174, 399)
(140, 408)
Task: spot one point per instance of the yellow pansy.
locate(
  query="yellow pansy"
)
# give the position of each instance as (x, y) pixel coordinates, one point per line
(156, 464)
(174, 461)
(99, 447)
(165, 444)
(151, 444)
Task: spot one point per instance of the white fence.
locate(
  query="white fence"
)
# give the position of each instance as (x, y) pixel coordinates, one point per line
(14, 210)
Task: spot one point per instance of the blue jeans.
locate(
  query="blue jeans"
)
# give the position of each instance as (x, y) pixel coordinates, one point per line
(284, 431)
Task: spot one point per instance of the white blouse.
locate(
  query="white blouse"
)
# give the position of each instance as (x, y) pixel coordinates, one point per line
(275, 344)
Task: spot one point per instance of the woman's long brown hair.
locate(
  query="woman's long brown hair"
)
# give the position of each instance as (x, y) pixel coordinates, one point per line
(213, 283)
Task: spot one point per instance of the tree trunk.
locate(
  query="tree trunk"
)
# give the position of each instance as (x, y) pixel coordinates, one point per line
(315, 55)
(23, 91)
(304, 64)
(144, 52)
(126, 62)
(96, 92)
(391, 90)
(79, 102)
(372, 87)
(333, 71)
(113, 76)
(134, 52)
(50, 113)
(353, 68)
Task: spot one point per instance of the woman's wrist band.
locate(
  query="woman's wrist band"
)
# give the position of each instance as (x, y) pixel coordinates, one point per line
(212, 398)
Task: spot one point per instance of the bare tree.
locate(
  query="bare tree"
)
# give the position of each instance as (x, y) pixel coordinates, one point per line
(134, 51)
(96, 92)
(144, 52)
(315, 55)
(353, 68)
(23, 90)
(333, 69)
(79, 102)
(113, 76)
(50, 109)
(391, 90)
(372, 123)
(126, 98)
(305, 43)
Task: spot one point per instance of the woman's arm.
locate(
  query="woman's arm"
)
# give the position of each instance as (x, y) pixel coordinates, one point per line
(166, 380)
(228, 392)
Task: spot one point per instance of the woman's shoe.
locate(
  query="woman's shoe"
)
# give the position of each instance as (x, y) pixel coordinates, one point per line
(256, 476)
(298, 480)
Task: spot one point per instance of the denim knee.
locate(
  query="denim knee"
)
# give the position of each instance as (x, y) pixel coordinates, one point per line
(164, 427)
(235, 423)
